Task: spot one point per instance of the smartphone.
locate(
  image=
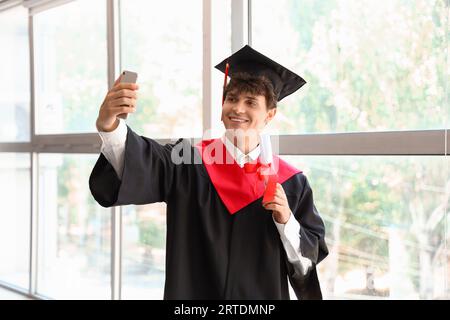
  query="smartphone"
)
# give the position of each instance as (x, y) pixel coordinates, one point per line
(127, 77)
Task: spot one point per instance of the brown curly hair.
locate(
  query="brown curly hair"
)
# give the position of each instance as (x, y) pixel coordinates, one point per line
(246, 83)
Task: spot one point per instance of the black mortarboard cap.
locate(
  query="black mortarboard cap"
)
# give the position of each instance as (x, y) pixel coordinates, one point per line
(250, 61)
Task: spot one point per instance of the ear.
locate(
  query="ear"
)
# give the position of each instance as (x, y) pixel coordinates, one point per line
(270, 114)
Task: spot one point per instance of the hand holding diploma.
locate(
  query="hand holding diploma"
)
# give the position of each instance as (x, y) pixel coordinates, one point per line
(279, 205)
(274, 197)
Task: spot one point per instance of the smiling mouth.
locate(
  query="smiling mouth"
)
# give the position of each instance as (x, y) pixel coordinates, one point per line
(237, 120)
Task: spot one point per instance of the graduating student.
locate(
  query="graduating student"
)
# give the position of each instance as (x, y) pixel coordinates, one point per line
(223, 241)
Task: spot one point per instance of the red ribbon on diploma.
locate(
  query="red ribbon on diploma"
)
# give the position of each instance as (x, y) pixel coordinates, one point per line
(265, 173)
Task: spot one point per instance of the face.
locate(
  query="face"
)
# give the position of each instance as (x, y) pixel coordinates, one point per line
(245, 111)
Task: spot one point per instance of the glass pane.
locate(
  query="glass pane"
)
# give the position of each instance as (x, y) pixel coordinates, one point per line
(220, 49)
(164, 46)
(385, 221)
(14, 76)
(15, 218)
(364, 62)
(74, 254)
(144, 251)
(71, 66)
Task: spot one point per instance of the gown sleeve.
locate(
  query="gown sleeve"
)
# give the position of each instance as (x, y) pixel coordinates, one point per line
(148, 174)
(312, 245)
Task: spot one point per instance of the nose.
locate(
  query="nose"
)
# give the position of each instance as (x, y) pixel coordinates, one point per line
(239, 107)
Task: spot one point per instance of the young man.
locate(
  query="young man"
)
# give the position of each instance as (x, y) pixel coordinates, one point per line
(222, 241)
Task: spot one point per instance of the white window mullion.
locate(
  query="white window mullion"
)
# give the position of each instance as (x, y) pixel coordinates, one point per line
(6, 5)
(207, 66)
(114, 65)
(116, 253)
(422, 142)
(34, 167)
(113, 40)
(37, 6)
(239, 24)
(34, 229)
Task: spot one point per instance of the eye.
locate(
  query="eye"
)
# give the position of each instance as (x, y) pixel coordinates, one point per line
(251, 103)
(231, 99)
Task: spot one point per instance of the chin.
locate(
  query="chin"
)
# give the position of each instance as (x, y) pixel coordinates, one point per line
(237, 126)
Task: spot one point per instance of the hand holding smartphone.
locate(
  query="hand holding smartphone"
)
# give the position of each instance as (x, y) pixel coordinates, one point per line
(127, 77)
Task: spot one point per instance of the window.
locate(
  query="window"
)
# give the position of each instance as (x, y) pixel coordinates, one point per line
(15, 218)
(165, 47)
(74, 254)
(71, 66)
(369, 66)
(14, 76)
(144, 251)
(386, 227)
(220, 48)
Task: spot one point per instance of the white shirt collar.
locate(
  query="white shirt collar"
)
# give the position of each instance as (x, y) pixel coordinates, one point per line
(238, 155)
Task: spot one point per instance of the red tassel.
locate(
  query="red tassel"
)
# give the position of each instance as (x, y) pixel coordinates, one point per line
(225, 82)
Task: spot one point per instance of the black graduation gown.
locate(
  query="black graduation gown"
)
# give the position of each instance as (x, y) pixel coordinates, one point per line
(211, 254)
